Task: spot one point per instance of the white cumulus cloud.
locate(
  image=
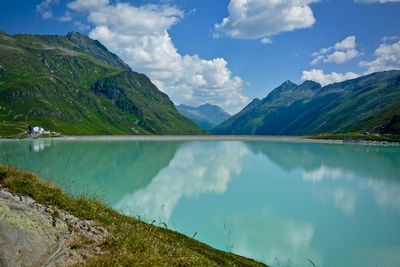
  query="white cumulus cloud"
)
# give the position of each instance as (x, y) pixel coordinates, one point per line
(139, 35)
(318, 75)
(44, 8)
(376, 1)
(392, 38)
(266, 41)
(387, 57)
(341, 52)
(254, 19)
(81, 5)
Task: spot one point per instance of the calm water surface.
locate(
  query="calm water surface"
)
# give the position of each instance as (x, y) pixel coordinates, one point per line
(283, 203)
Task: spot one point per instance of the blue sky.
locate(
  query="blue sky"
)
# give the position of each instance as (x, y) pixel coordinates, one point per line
(191, 54)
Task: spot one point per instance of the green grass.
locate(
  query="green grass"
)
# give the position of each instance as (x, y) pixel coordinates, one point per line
(358, 105)
(50, 82)
(355, 136)
(132, 242)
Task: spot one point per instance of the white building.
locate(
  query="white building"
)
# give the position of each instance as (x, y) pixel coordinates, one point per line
(37, 130)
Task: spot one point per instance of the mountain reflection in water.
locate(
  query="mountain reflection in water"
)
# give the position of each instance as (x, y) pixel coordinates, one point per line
(284, 203)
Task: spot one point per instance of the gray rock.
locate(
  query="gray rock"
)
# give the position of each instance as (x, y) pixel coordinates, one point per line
(32, 234)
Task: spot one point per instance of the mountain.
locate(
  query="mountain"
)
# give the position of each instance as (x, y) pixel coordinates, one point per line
(206, 116)
(73, 85)
(368, 103)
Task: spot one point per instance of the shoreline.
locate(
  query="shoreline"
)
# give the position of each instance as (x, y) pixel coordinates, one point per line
(87, 231)
(267, 138)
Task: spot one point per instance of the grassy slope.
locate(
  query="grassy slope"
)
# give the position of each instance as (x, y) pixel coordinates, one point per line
(265, 116)
(33, 93)
(132, 241)
(47, 81)
(363, 104)
(352, 106)
(154, 110)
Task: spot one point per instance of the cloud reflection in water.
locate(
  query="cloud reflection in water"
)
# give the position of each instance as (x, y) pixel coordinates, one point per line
(282, 202)
(269, 238)
(197, 168)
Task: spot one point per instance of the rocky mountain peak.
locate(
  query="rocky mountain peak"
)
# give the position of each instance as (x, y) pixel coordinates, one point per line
(93, 47)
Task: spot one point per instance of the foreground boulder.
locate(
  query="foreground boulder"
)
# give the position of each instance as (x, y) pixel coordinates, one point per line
(32, 234)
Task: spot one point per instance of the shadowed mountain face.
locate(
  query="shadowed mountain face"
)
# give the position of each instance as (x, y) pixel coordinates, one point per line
(362, 104)
(74, 85)
(205, 116)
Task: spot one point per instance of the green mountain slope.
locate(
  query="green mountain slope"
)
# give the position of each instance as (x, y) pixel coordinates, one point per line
(74, 85)
(363, 104)
(206, 116)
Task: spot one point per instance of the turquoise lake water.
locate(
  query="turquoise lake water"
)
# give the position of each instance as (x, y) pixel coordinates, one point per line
(283, 203)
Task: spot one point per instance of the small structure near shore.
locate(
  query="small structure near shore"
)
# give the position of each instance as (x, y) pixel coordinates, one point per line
(35, 131)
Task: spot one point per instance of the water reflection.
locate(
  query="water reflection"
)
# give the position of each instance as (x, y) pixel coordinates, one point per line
(105, 170)
(387, 194)
(283, 203)
(39, 145)
(361, 182)
(324, 172)
(378, 167)
(197, 168)
(327, 159)
(278, 241)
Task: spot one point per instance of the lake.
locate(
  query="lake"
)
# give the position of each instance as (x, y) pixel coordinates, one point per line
(285, 203)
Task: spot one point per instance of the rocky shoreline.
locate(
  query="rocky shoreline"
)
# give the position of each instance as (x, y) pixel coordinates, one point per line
(32, 234)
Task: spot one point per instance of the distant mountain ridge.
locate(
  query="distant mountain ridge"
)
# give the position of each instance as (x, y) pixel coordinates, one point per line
(206, 116)
(364, 104)
(73, 85)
